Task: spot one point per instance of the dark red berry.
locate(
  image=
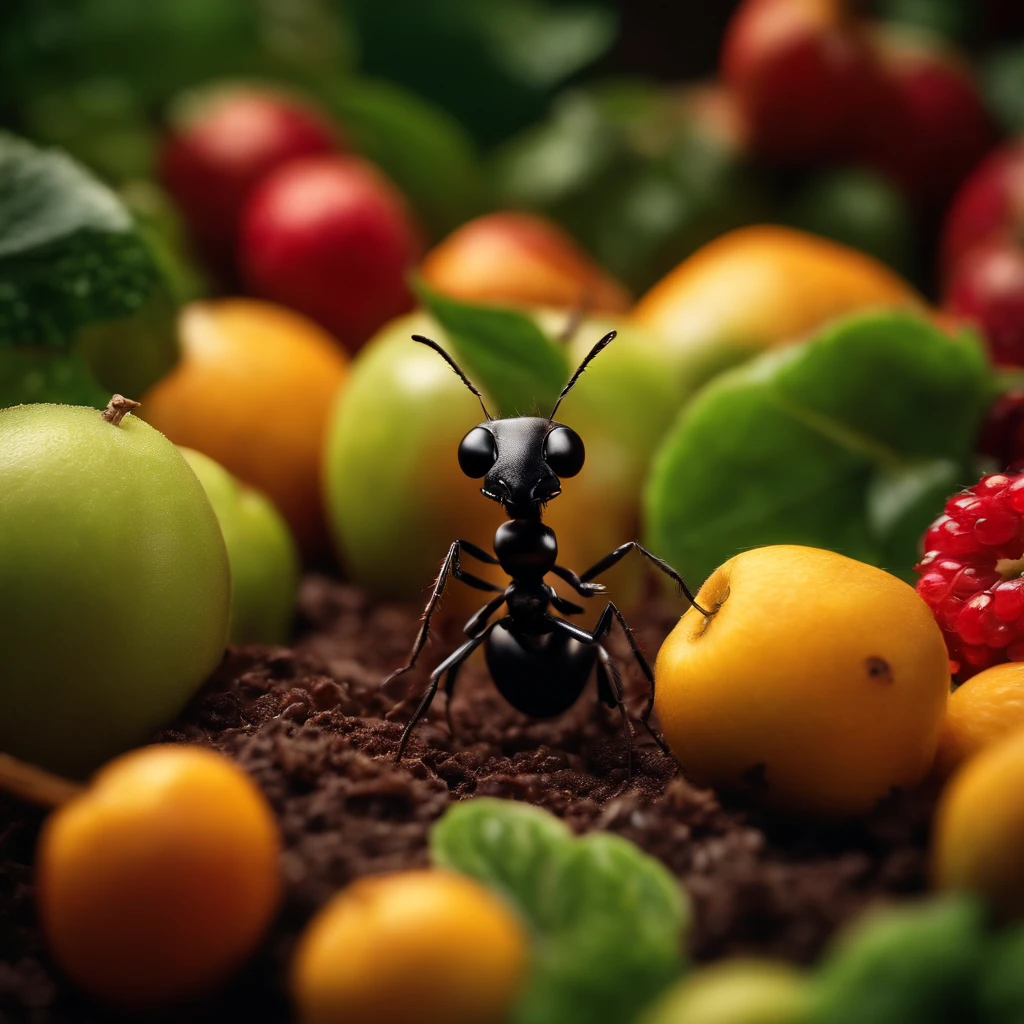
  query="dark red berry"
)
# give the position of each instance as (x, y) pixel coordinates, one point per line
(970, 575)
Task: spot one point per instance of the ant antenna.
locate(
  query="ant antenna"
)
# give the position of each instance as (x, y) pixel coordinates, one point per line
(458, 369)
(602, 344)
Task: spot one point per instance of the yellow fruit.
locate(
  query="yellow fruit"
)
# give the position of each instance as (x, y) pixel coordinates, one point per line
(253, 391)
(423, 946)
(978, 843)
(987, 707)
(160, 878)
(818, 684)
(759, 287)
(736, 992)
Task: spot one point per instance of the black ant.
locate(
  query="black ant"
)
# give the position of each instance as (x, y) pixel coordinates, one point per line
(538, 661)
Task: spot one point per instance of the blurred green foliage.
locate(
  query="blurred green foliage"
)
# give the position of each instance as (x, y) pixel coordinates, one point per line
(491, 63)
(633, 173)
(861, 209)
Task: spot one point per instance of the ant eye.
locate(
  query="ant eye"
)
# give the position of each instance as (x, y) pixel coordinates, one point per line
(477, 452)
(563, 451)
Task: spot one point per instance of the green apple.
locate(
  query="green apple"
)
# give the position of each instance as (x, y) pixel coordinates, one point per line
(736, 992)
(114, 583)
(263, 557)
(396, 497)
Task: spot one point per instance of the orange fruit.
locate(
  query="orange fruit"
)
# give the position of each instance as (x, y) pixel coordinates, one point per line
(521, 259)
(159, 878)
(978, 840)
(759, 287)
(425, 946)
(984, 709)
(253, 390)
(817, 685)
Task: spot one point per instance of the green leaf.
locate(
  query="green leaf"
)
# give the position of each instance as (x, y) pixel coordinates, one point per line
(31, 375)
(510, 847)
(504, 352)
(1002, 979)
(607, 920)
(69, 252)
(908, 965)
(849, 441)
(419, 146)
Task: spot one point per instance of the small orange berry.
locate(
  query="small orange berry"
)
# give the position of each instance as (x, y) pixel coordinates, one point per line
(424, 946)
(159, 878)
(978, 841)
(984, 709)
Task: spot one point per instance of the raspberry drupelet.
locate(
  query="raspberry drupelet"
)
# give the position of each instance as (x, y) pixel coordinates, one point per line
(970, 575)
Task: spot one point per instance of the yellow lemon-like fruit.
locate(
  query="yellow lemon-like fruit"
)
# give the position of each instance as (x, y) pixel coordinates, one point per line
(424, 946)
(741, 991)
(791, 283)
(818, 684)
(987, 707)
(160, 877)
(979, 827)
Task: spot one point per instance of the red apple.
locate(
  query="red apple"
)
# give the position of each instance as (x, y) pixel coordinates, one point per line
(990, 202)
(332, 237)
(987, 287)
(804, 74)
(935, 127)
(223, 141)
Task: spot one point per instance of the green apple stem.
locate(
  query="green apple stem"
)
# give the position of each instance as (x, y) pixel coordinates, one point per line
(27, 782)
(117, 408)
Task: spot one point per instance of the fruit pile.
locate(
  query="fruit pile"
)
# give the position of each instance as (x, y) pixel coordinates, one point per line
(221, 227)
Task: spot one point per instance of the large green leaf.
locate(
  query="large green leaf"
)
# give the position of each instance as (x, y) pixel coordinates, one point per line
(849, 441)
(69, 253)
(504, 352)
(607, 920)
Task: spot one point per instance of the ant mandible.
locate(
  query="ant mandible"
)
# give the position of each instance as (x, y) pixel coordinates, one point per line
(539, 662)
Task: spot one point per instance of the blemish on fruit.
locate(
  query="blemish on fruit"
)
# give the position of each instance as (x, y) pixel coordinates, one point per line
(756, 776)
(879, 670)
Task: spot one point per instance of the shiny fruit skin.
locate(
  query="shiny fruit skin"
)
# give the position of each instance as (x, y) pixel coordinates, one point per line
(253, 391)
(804, 74)
(160, 878)
(758, 288)
(424, 946)
(935, 127)
(263, 558)
(520, 259)
(818, 685)
(741, 991)
(333, 238)
(978, 838)
(987, 288)
(396, 497)
(114, 584)
(980, 712)
(990, 203)
(226, 140)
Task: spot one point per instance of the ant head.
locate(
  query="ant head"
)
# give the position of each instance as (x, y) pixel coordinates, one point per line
(521, 460)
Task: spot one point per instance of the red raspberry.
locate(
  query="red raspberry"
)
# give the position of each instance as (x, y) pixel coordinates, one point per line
(971, 574)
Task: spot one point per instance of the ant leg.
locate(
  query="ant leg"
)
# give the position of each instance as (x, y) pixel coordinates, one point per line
(452, 662)
(601, 630)
(608, 677)
(634, 545)
(449, 567)
(449, 692)
(479, 619)
(581, 588)
(560, 604)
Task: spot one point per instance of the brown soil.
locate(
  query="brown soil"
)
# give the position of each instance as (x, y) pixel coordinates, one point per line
(308, 724)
